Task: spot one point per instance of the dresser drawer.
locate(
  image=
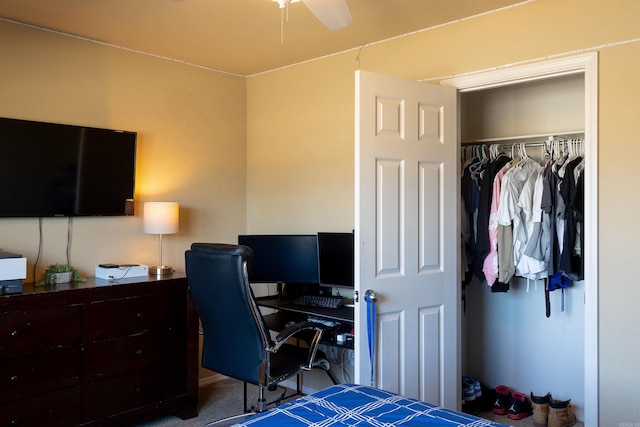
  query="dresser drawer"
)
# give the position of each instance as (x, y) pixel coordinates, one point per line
(40, 373)
(119, 394)
(118, 356)
(128, 316)
(62, 408)
(23, 332)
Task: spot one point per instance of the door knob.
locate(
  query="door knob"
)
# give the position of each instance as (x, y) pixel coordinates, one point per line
(370, 296)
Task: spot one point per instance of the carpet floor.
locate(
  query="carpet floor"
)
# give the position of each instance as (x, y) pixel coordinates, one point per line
(219, 400)
(223, 399)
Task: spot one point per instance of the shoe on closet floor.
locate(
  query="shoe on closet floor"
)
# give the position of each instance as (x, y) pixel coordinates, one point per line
(471, 386)
(469, 401)
(485, 402)
(501, 401)
(519, 406)
(540, 406)
(560, 413)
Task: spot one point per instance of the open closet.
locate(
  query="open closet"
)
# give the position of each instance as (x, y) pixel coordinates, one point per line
(514, 333)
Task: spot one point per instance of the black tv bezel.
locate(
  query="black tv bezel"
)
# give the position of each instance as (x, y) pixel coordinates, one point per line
(79, 208)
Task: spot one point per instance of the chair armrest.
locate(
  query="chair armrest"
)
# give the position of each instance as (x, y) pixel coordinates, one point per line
(313, 332)
(292, 330)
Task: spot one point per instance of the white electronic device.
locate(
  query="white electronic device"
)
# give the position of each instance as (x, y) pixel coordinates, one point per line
(121, 271)
(12, 266)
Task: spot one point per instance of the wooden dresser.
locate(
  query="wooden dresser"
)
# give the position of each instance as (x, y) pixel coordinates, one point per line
(98, 353)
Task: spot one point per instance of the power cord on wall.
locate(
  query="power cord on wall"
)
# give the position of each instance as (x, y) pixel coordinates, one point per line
(40, 244)
(69, 233)
(35, 265)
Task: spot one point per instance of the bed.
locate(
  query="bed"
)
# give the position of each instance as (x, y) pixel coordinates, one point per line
(356, 405)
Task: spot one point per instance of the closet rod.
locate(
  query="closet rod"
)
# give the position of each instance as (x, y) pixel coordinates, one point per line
(530, 144)
(510, 140)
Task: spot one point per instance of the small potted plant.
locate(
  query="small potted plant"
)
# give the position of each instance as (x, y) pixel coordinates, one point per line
(61, 273)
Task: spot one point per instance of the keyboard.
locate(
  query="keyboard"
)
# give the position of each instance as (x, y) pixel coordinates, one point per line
(320, 301)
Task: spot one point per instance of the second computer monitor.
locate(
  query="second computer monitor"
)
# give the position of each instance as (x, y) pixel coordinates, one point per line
(335, 259)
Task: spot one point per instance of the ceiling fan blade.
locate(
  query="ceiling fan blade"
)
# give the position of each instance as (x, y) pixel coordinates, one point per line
(334, 14)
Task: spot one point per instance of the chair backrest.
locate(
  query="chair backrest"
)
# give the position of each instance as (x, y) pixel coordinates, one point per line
(235, 337)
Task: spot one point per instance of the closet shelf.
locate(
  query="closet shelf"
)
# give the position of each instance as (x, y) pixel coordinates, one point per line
(525, 138)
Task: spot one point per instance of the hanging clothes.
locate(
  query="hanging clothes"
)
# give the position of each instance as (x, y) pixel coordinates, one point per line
(516, 210)
(571, 190)
(490, 263)
(523, 217)
(483, 246)
(470, 195)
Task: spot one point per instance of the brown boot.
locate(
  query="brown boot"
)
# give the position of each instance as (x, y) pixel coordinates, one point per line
(560, 413)
(540, 409)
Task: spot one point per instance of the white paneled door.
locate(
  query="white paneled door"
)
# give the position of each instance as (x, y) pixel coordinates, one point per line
(406, 237)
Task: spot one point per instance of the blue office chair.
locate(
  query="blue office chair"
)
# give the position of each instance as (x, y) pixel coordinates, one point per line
(237, 342)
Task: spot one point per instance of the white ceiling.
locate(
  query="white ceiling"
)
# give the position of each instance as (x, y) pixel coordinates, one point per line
(236, 36)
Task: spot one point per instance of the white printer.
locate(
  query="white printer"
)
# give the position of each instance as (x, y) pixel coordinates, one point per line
(121, 271)
(13, 268)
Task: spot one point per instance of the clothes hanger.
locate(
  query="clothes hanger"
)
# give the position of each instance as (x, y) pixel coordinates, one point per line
(515, 156)
(493, 151)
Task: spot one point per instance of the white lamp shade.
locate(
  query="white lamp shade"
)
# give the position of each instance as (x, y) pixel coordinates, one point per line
(160, 217)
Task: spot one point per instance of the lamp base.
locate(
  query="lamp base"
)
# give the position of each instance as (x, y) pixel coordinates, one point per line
(160, 270)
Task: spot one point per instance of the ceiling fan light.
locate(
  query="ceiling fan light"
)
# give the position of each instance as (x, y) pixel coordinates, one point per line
(283, 3)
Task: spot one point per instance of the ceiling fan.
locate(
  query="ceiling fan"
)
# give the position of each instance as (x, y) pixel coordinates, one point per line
(334, 14)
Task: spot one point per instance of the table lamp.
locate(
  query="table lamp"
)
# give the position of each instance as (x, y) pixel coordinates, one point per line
(160, 218)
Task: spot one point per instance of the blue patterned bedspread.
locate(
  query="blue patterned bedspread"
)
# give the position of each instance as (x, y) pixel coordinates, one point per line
(354, 405)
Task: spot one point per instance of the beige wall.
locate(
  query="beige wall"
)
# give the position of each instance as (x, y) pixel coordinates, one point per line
(300, 151)
(300, 133)
(191, 126)
(295, 173)
(619, 175)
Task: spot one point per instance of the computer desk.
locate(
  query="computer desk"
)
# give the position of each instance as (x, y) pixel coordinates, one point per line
(287, 310)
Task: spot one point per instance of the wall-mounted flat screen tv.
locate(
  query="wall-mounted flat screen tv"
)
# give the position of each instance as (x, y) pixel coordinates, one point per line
(49, 169)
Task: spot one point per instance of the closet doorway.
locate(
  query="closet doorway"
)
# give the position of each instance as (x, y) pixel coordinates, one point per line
(519, 92)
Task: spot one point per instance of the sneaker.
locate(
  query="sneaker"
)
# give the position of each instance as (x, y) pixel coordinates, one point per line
(540, 406)
(477, 387)
(472, 384)
(469, 401)
(501, 401)
(560, 413)
(468, 390)
(519, 407)
(469, 404)
(485, 402)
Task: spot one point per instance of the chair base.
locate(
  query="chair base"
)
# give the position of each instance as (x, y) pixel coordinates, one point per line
(262, 402)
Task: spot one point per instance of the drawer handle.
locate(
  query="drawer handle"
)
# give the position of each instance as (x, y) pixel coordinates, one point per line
(13, 379)
(15, 334)
(139, 352)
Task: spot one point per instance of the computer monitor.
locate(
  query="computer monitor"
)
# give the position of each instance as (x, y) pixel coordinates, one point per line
(335, 259)
(283, 258)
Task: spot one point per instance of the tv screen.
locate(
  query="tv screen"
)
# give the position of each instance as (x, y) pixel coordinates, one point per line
(284, 258)
(49, 169)
(335, 259)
